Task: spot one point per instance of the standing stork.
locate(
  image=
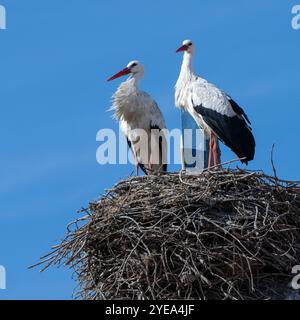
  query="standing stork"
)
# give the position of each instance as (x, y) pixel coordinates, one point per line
(216, 113)
(140, 120)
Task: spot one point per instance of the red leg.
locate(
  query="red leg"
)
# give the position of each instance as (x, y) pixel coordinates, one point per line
(217, 157)
(210, 152)
(214, 149)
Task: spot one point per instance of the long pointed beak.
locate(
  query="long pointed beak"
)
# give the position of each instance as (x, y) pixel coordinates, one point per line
(123, 72)
(182, 48)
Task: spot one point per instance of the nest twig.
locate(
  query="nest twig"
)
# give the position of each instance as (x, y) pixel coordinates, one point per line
(227, 234)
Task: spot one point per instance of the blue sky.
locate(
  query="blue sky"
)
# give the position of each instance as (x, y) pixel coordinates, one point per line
(55, 57)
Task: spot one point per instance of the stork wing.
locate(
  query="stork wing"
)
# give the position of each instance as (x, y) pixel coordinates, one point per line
(237, 109)
(224, 120)
(156, 117)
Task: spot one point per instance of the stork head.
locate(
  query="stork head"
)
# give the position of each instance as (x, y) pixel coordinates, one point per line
(187, 46)
(134, 67)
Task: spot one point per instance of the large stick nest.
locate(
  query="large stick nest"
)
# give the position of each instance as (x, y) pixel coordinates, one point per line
(228, 234)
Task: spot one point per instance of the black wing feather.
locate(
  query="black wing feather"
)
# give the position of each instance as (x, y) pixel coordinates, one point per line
(233, 131)
(238, 110)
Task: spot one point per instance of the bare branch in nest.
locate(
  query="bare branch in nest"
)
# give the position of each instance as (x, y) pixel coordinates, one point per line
(272, 161)
(225, 234)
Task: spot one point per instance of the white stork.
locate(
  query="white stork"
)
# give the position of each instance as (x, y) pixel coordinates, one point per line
(216, 113)
(141, 121)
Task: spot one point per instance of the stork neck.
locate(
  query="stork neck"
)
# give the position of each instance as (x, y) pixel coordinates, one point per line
(134, 79)
(129, 86)
(187, 64)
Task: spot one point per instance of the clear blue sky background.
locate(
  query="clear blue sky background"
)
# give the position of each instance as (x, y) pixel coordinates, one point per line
(55, 57)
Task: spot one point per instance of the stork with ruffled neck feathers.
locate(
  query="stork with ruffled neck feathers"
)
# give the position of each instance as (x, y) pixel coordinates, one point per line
(141, 121)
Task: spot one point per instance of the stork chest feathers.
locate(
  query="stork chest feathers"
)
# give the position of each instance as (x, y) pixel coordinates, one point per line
(127, 103)
(183, 92)
(130, 105)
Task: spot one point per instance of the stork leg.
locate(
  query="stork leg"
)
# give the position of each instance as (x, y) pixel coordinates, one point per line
(216, 150)
(214, 147)
(136, 164)
(214, 157)
(150, 165)
(210, 152)
(218, 153)
(136, 160)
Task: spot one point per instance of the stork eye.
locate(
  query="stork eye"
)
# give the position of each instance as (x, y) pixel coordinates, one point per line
(190, 44)
(133, 65)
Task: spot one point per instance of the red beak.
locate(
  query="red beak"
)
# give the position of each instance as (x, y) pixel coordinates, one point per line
(182, 48)
(120, 74)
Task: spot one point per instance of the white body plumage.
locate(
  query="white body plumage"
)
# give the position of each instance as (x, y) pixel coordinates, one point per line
(141, 121)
